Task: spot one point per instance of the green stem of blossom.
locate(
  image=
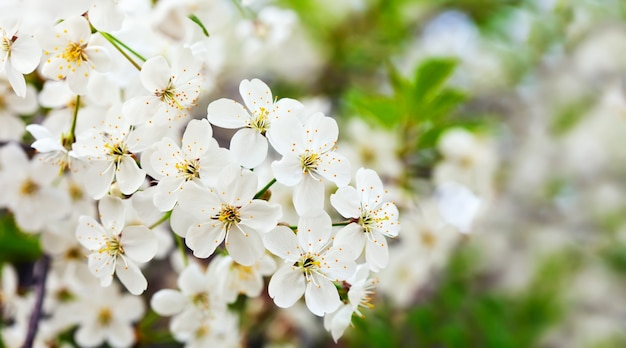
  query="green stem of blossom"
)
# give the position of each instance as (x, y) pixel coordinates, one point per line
(71, 137)
(265, 188)
(121, 43)
(341, 223)
(163, 218)
(181, 248)
(196, 20)
(115, 44)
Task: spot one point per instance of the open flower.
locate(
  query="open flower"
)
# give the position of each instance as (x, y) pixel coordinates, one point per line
(116, 248)
(309, 157)
(229, 212)
(311, 266)
(373, 218)
(249, 145)
(197, 160)
(70, 53)
(110, 154)
(174, 89)
(19, 55)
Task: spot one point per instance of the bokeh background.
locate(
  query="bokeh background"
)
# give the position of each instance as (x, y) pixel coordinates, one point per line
(522, 102)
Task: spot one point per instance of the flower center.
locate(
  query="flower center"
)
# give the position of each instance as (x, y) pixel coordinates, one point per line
(189, 169)
(260, 121)
(75, 53)
(229, 215)
(112, 247)
(6, 45)
(428, 239)
(169, 95)
(310, 162)
(116, 151)
(29, 188)
(243, 272)
(308, 263)
(105, 316)
(202, 301)
(367, 220)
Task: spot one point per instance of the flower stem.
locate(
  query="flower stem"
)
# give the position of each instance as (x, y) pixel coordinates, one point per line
(161, 220)
(118, 41)
(40, 279)
(71, 137)
(345, 223)
(109, 38)
(181, 248)
(265, 188)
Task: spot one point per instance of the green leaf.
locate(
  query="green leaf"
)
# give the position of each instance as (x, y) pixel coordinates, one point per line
(16, 246)
(430, 76)
(197, 20)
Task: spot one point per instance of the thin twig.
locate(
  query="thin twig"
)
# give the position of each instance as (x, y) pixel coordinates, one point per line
(40, 289)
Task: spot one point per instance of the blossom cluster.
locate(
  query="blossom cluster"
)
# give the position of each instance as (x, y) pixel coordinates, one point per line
(115, 159)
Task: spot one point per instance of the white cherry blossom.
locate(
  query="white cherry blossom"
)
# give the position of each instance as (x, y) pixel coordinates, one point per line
(198, 160)
(106, 315)
(373, 218)
(249, 144)
(311, 266)
(361, 289)
(111, 154)
(232, 279)
(70, 53)
(228, 213)
(175, 87)
(19, 54)
(116, 248)
(309, 158)
(27, 189)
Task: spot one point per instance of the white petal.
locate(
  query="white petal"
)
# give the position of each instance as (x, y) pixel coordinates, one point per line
(130, 275)
(457, 205)
(347, 202)
(16, 79)
(239, 186)
(90, 234)
(120, 334)
(99, 57)
(25, 54)
(155, 74)
(102, 265)
(335, 167)
(112, 214)
(245, 246)
(193, 280)
(377, 253)
(370, 186)
(287, 136)
(139, 243)
(129, 176)
(351, 238)
(322, 132)
(314, 230)
(168, 302)
(249, 147)
(227, 113)
(308, 195)
(197, 138)
(321, 296)
(89, 335)
(204, 238)
(288, 171)
(282, 242)
(167, 192)
(255, 94)
(260, 215)
(99, 177)
(286, 286)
